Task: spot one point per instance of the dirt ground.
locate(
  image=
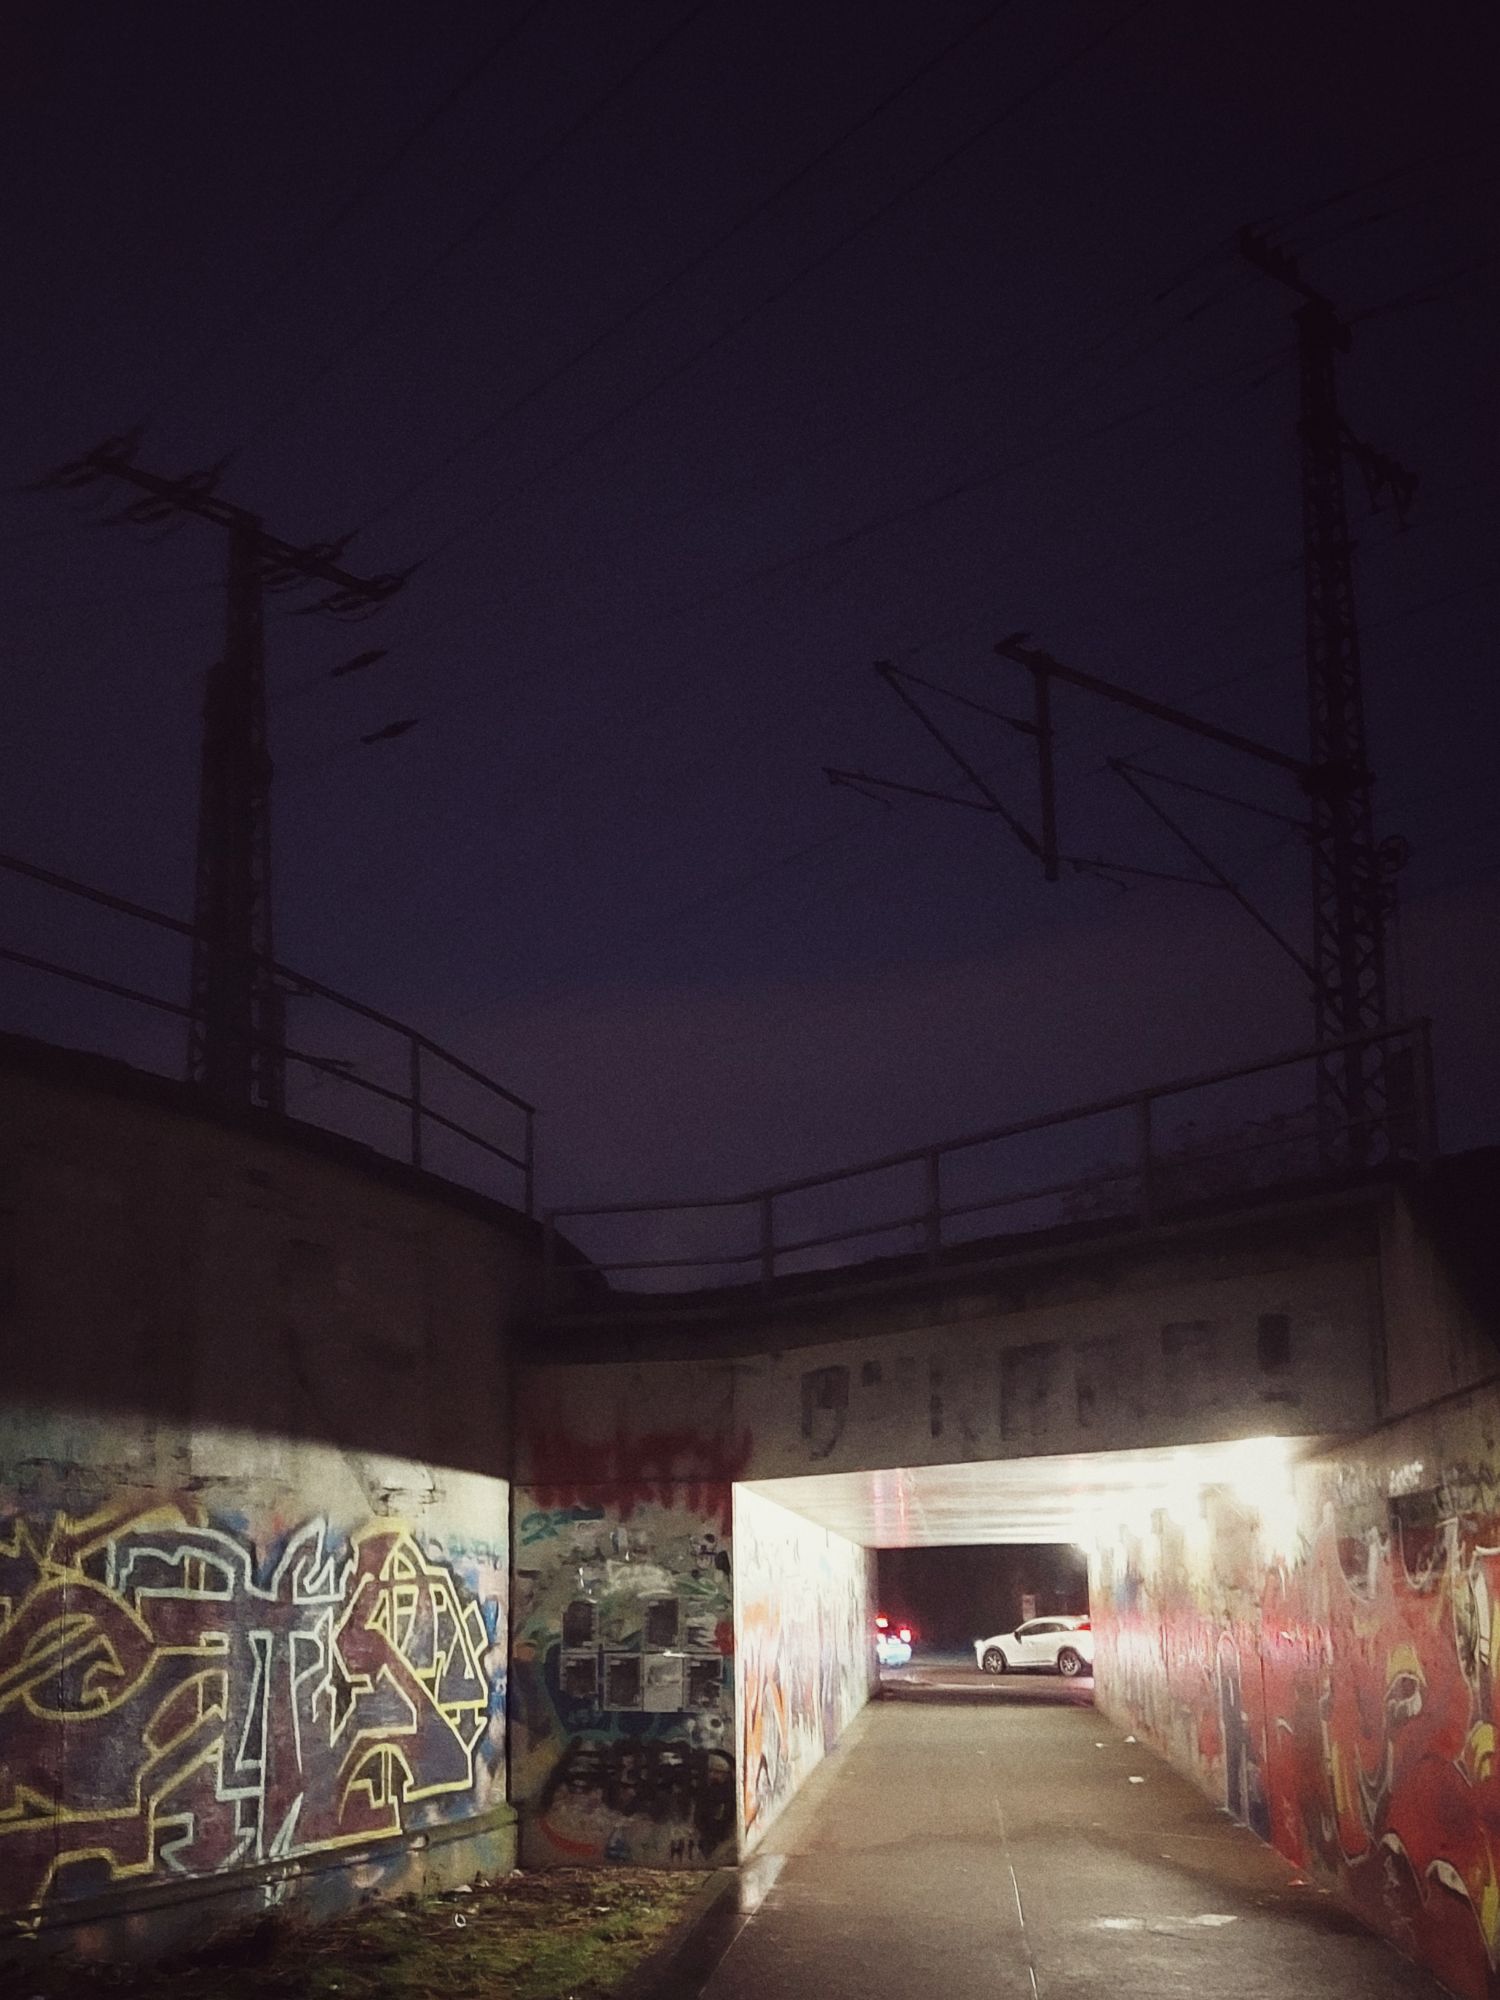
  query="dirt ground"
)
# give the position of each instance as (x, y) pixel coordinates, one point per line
(567, 1934)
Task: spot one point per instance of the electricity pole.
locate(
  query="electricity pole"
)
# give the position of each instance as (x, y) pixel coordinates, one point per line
(235, 1036)
(1366, 1092)
(1351, 887)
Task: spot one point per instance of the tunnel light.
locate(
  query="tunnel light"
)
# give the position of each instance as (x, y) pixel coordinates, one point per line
(1255, 1466)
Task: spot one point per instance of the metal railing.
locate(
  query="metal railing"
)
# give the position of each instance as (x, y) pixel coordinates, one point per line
(1161, 1174)
(422, 1060)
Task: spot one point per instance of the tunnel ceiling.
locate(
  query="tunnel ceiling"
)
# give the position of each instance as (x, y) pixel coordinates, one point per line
(1072, 1498)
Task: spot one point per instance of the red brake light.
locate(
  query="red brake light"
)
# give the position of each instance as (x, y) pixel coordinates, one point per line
(1085, 1625)
(881, 1621)
(906, 1634)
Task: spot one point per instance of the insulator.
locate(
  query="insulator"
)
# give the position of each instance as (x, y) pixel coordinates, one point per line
(366, 659)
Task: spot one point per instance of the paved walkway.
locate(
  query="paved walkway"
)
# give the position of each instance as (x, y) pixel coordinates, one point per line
(986, 1841)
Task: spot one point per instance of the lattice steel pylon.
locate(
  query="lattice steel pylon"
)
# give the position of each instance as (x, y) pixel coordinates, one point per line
(235, 1036)
(1351, 881)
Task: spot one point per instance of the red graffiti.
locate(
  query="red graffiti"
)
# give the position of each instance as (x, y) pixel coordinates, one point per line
(1352, 1714)
(669, 1468)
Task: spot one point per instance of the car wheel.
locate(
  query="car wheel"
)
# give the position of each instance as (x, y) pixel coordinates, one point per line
(994, 1661)
(1069, 1663)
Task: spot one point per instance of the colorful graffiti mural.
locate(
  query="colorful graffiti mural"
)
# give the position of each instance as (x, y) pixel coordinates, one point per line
(176, 1700)
(621, 1710)
(804, 1651)
(1344, 1700)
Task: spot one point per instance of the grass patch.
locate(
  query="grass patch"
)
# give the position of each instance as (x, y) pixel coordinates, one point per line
(565, 1934)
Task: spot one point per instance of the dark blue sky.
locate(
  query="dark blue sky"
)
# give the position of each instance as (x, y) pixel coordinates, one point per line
(989, 362)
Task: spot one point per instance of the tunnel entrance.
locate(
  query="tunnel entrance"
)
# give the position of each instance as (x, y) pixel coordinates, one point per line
(949, 1598)
(979, 1579)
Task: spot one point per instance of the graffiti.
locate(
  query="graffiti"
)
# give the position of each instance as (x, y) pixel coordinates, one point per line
(618, 1798)
(542, 1523)
(666, 1468)
(803, 1663)
(170, 1703)
(825, 1408)
(621, 1745)
(1343, 1702)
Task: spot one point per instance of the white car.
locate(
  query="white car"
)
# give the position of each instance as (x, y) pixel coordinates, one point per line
(1064, 1645)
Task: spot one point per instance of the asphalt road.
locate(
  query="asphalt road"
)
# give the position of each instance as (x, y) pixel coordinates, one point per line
(974, 1836)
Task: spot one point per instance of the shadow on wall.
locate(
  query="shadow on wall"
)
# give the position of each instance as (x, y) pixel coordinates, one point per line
(161, 1262)
(254, 1560)
(1339, 1693)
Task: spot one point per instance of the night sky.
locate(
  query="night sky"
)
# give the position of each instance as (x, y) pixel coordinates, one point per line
(699, 357)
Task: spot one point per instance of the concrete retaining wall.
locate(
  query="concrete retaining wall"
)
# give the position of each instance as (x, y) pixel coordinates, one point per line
(254, 1523)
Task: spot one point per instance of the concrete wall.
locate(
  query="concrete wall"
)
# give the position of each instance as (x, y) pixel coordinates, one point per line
(1321, 1651)
(1440, 1281)
(1236, 1332)
(254, 1528)
(804, 1662)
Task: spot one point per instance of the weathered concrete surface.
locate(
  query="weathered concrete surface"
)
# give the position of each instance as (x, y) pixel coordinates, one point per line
(254, 1513)
(1258, 1325)
(992, 1846)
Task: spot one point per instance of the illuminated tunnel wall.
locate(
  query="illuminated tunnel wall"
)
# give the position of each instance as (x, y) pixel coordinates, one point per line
(254, 1551)
(1321, 1652)
(804, 1663)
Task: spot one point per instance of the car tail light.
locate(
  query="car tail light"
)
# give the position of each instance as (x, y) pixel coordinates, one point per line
(881, 1621)
(905, 1633)
(1085, 1625)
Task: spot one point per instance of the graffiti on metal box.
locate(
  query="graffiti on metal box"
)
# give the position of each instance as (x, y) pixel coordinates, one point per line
(621, 1744)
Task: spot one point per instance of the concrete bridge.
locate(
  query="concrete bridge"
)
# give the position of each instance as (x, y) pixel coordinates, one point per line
(335, 1554)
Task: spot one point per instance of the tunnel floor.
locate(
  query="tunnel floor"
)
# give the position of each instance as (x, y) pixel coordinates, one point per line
(981, 1840)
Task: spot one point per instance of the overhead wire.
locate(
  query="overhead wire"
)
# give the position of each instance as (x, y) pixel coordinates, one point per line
(385, 166)
(734, 229)
(1272, 360)
(685, 366)
(605, 731)
(596, 109)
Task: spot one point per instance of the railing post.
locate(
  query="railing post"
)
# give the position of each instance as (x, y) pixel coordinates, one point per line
(414, 1051)
(1144, 1163)
(1425, 1093)
(934, 1205)
(767, 1241)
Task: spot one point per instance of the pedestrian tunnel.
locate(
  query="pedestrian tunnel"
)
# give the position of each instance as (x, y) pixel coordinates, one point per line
(688, 1651)
(1306, 1627)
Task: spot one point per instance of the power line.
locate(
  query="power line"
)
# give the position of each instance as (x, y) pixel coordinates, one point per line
(321, 237)
(1055, 416)
(1014, 106)
(916, 509)
(695, 263)
(474, 228)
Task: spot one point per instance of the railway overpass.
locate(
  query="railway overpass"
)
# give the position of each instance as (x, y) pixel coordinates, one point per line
(356, 1532)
